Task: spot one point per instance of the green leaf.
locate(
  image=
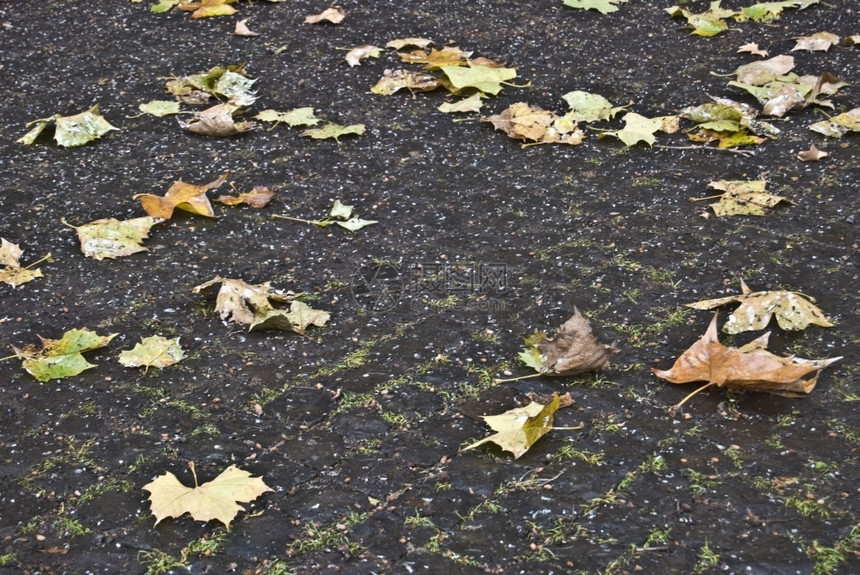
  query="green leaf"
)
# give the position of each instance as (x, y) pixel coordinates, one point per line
(160, 108)
(334, 131)
(838, 125)
(164, 5)
(586, 107)
(471, 104)
(484, 78)
(340, 210)
(353, 224)
(295, 117)
(62, 357)
(638, 129)
(153, 351)
(602, 6)
(709, 23)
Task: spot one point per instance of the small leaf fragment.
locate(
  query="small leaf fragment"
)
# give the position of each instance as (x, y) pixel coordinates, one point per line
(813, 154)
(12, 273)
(258, 197)
(359, 53)
(217, 122)
(295, 117)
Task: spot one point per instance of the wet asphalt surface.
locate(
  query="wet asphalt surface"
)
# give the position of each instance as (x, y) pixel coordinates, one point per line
(357, 426)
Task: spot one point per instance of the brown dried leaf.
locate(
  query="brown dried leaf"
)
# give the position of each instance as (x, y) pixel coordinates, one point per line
(259, 197)
(813, 154)
(243, 30)
(574, 349)
(218, 122)
(750, 367)
(522, 121)
(753, 48)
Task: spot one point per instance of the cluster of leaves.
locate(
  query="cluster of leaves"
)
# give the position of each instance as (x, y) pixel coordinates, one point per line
(751, 367)
(233, 88)
(713, 21)
(254, 305)
(199, 8)
(450, 68)
(61, 358)
(574, 350)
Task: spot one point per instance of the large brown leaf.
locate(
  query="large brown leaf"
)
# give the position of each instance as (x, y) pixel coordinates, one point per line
(749, 367)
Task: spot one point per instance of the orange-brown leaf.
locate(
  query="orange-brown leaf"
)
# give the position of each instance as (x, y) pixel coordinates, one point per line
(749, 367)
(183, 196)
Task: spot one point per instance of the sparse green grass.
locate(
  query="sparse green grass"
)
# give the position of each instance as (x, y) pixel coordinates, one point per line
(157, 562)
(706, 559)
(8, 559)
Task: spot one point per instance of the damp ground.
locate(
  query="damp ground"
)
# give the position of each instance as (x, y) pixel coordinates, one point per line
(358, 426)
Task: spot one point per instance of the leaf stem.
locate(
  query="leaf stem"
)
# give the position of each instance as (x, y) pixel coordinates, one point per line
(677, 406)
(745, 153)
(8, 357)
(37, 262)
(517, 378)
(312, 222)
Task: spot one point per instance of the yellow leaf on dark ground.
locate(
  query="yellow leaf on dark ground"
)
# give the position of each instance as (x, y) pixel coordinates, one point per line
(217, 499)
(181, 195)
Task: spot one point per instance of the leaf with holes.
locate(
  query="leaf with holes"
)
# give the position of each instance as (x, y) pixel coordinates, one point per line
(793, 311)
(112, 238)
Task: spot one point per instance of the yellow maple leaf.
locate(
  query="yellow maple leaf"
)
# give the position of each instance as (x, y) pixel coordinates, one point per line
(217, 499)
(181, 195)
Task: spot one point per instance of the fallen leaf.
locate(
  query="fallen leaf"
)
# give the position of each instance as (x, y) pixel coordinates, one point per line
(183, 196)
(359, 53)
(238, 301)
(769, 11)
(819, 42)
(218, 122)
(838, 125)
(519, 428)
(793, 311)
(12, 273)
(602, 6)
(300, 317)
(587, 107)
(402, 43)
(153, 351)
(764, 71)
(753, 48)
(295, 117)
(217, 499)
(436, 59)
(222, 82)
(708, 23)
(813, 154)
(164, 5)
(243, 30)
(111, 238)
(258, 197)
(335, 15)
(393, 81)
(486, 79)
(522, 121)
(334, 131)
(572, 351)
(471, 104)
(788, 98)
(750, 367)
(638, 128)
(160, 108)
(742, 198)
(70, 131)
(62, 357)
(209, 8)
(340, 214)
